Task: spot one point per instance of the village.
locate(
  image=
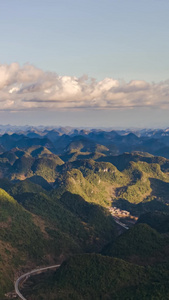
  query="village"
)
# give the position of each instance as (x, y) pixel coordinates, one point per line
(122, 214)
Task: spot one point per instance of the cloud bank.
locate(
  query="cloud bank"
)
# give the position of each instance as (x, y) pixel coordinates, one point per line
(30, 88)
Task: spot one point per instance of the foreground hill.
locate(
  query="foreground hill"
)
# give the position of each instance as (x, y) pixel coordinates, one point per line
(40, 230)
(134, 266)
(85, 277)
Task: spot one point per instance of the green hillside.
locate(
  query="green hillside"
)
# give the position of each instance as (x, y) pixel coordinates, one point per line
(24, 186)
(45, 167)
(21, 241)
(92, 180)
(72, 216)
(146, 181)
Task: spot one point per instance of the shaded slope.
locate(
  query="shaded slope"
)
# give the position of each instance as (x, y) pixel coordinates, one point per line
(141, 245)
(157, 220)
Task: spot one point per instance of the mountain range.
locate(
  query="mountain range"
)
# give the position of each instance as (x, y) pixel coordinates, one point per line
(64, 194)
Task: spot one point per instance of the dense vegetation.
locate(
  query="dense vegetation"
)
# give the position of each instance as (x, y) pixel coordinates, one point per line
(56, 191)
(140, 245)
(93, 276)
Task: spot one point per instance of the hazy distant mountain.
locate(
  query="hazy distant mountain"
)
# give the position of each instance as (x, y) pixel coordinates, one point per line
(64, 139)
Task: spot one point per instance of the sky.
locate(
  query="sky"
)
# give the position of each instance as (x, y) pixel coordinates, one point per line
(99, 63)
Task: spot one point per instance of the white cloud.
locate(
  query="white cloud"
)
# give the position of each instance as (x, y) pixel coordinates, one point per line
(27, 87)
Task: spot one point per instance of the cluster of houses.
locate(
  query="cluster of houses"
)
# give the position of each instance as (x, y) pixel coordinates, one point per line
(117, 212)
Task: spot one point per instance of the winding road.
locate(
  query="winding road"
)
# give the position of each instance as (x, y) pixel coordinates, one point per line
(33, 272)
(26, 275)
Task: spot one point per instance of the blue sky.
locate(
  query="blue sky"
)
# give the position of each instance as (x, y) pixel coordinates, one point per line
(123, 40)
